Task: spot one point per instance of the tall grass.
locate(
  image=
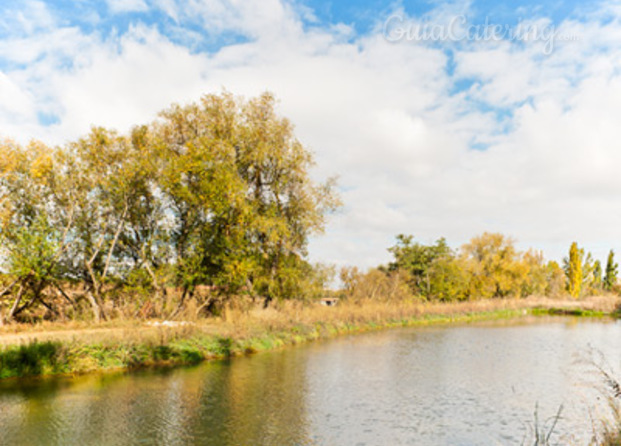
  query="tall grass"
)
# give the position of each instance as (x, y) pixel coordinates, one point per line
(610, 432)
(541, 431)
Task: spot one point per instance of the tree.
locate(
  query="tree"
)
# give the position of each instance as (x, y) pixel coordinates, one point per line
(376, 285)
(496, 267)
(285, 204)
(448, 279)
(573, 270)
(241, 200)
(34, 224)
(536, 278)
(596, 283)
(555, 280)
(612, 268)
(416, 259)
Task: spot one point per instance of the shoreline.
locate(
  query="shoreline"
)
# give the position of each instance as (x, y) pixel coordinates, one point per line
(62, 351)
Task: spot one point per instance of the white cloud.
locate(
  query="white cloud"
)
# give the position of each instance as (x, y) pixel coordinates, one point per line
(126, 84)
(383, 116)
(31, 17)
(258, 19)
(120, 6)
(15, 101)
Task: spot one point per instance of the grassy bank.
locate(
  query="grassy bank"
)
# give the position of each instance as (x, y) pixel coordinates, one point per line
(71, 350)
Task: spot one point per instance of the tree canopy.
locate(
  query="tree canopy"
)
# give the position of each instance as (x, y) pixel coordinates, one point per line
(215, 194)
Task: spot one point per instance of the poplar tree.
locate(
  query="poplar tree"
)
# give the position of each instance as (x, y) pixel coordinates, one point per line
(610, 278)
(597, 276)
(573, 270)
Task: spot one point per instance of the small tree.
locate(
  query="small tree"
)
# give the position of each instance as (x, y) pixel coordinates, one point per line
(610, 278)
(596, 284)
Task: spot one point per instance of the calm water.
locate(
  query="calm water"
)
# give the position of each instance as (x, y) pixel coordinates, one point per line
(459, 385)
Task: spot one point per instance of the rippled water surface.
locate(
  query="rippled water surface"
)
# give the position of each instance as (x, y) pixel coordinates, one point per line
(457, 385)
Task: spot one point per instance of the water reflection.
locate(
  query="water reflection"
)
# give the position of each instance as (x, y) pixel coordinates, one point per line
(257, 400)
(472, 384)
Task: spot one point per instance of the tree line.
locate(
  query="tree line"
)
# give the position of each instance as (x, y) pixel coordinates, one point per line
(210, 200)
(488, 266)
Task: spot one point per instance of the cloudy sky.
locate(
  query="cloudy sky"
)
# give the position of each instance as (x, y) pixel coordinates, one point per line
(440, 118)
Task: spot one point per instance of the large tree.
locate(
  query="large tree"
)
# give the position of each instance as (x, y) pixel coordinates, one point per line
(242, 202)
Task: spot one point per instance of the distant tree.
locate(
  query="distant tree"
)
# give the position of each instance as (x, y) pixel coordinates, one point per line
(536, 279)
(497, 268)
(555, 280)
(573, 270)
(596, 284)
(416, 260)
(610, 277)
(448, 279)
(588, 269)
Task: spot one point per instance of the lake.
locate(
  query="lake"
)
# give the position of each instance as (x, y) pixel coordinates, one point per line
(474, 384)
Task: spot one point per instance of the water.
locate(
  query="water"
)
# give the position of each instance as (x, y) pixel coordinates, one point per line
(475, 384)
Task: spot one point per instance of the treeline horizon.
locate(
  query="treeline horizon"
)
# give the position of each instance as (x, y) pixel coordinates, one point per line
(488, 266)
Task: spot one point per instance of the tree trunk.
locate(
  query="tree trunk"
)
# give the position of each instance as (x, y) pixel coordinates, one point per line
(16, 309)
(160, 291)
(66, 296)
(186, 291)
(48, 306)
(97, 310)
(93, 295)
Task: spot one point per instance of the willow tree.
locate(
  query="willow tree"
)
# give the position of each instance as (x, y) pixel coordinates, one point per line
(285, 204)
(195, 151)
(34, 224)
(117, 215)
(241, 200)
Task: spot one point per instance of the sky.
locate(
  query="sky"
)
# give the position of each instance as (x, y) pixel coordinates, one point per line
(440, 119)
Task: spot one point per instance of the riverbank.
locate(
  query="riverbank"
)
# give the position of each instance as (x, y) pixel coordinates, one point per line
(79, 348)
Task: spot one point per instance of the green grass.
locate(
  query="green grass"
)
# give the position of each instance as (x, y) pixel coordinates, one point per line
(36, 358)
(581, 312)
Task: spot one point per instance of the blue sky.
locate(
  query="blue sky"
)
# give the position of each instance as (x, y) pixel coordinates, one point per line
(448, 136)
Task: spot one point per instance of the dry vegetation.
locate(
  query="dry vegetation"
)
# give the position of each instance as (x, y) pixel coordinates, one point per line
(244, 323)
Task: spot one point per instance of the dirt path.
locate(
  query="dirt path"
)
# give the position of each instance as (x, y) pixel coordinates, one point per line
(62, 335)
